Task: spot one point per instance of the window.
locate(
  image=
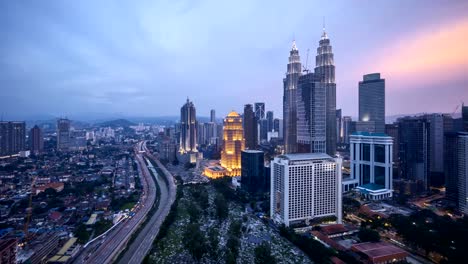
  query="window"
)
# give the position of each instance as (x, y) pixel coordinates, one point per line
(379, 175)
(380, 153)
(365, 174)
(366, 152)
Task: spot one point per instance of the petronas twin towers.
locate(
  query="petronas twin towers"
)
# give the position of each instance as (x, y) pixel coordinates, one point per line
(309, 102)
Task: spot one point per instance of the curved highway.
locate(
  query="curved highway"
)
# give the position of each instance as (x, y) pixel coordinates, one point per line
(144, 241)
(107, 248)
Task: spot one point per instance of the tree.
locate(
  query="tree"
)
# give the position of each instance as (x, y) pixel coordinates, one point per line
(263, 254)
(195, 241)
(221, 206)
(368, 235)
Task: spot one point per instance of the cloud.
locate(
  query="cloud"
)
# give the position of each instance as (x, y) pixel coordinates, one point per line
(433, 55)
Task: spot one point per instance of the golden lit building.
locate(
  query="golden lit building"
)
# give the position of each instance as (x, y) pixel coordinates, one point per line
(233, 144)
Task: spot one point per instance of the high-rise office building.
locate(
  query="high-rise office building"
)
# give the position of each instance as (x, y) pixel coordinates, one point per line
(269, 117)
(304, 187)
(213, 116)
(12, 137)
(276, 125)
(371, 164)
(233, 144)
(36, 139)
(263, 128)
(311, 114)
(465, 117)
(289, 100)
(392, 131)
(188, 132)
(325, 68)
(77, 140)
(253, 177)
(436, 154)
(451, 159)
(372, 103)
(462, 150)
(250, 127)
(63, 134)
(414, 150)
(260, 110)
(347, 129)
(339, 122)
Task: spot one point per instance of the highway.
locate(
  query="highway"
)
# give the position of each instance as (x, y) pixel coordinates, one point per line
(144, 241)
(107, 248)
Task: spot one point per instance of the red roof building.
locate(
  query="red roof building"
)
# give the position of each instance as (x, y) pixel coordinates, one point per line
(379, 252)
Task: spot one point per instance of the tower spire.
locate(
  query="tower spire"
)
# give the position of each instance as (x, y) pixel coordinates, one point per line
(324, 34)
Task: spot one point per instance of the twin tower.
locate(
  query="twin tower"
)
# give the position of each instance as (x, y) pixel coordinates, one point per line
(309, 102)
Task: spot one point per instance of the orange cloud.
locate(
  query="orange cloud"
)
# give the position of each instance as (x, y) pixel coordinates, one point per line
(432, 56)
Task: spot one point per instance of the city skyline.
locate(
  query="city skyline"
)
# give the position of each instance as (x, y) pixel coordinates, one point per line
(115, 64)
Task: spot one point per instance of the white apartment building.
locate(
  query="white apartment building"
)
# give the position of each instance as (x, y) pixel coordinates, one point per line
(304, 187)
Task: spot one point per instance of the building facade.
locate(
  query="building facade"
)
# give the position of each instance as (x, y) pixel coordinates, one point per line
(188, 129)
(311, 114)
(372, 102)
(339, 126)
(325, 68)
(233, 144)
(347, 129)
(63, 134)
(36, 139)
(269, 117)
(260, 111)
(371, 164)
(463, 173)
(289, 100)
(250, 127)
(12, 137)
(253, 178)
(305, 187)
(414, 150)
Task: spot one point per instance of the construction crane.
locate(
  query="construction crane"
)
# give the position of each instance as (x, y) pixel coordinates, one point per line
(29, 210)
(304, 68)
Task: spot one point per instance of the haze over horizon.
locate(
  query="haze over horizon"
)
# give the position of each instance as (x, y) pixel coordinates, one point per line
(144, 58)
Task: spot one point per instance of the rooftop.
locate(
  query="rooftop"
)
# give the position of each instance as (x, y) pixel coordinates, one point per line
(305, 156)
(252, 151)
(369, 134)
(380, 251)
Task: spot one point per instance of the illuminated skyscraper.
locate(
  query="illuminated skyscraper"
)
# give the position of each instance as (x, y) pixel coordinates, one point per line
(289, 100)
(325, 68)
(233, 144)
(188, 128)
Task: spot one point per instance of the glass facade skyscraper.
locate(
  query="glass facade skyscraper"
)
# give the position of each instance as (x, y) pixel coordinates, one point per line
(325, 69)
(311, 114)
(188, 128)
(289, 100)
(250, 127)
(372, 103)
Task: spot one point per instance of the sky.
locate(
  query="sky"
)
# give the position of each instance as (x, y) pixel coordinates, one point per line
(144, 58)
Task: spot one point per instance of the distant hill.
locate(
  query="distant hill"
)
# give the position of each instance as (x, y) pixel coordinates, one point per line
(116, 123)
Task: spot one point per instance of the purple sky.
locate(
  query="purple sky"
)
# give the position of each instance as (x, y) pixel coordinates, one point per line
(145, 57)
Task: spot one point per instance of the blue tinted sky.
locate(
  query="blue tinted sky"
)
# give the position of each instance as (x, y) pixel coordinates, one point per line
(146, 57)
